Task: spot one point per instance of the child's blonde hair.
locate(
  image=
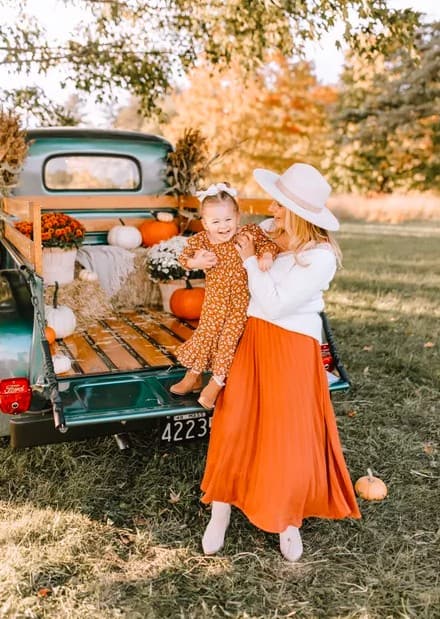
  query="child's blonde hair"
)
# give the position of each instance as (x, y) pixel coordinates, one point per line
(302, 234)
(221, 196)
(218, 192)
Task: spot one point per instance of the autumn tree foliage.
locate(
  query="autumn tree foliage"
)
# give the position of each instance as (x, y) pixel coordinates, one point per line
(140, 45)
(387, 121)
(271, 119)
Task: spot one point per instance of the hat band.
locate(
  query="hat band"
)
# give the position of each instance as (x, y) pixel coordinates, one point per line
(302, 203)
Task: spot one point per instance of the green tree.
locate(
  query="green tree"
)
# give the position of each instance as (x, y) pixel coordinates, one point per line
(141, 45)
(32, 102)
(388, 119)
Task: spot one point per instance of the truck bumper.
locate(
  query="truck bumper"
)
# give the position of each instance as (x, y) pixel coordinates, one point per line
(30, 430)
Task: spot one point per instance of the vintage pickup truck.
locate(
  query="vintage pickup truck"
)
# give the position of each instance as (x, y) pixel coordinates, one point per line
(121, 368)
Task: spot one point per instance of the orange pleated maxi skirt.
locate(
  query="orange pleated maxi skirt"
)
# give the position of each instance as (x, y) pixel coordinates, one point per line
(274, 450)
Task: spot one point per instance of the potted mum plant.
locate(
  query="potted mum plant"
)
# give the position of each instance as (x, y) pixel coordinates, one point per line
(164, 268)
(61, 235)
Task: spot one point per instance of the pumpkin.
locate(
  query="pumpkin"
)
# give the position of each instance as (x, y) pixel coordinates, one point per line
(164, 216)
(370, 488)
(60, 317)
(195, 225)
(153, 231)
(88, 276)
(187, 302)
(127, 237)
(49, 334)
(61, 363)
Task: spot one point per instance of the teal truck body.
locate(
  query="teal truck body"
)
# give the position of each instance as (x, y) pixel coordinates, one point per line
(123, 367)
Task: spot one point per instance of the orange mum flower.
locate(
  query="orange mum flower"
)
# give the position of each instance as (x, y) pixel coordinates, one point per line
(57, 230)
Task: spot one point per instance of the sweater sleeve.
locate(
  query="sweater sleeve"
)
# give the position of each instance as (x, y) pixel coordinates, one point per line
(263, 243)
(194, 243)
(299, 285)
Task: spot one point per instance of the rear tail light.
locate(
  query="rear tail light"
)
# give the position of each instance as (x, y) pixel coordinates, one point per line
(327, 357)
(15, 395)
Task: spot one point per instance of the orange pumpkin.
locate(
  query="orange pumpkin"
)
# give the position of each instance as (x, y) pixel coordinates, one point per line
(370, 488)
(50, 337)
(50, 334)
(155, 231)
(195, 225)
(187, 302)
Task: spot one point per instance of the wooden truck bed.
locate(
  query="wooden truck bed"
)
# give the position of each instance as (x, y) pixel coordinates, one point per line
(128, 340)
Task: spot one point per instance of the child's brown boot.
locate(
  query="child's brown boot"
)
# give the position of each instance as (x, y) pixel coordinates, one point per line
(191, 382)
(209, 394)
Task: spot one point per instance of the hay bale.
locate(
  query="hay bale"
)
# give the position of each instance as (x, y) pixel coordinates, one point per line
(138, 290)
(88, 301)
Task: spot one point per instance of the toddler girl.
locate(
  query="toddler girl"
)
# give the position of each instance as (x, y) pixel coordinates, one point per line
(213, 343)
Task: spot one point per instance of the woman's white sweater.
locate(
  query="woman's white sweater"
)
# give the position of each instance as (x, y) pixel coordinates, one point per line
(290, 294)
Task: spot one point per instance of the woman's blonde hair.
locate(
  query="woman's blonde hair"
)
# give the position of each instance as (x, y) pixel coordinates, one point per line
(302, 235)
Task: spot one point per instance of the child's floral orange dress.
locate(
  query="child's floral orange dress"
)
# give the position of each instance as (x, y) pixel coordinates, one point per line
(213, 344)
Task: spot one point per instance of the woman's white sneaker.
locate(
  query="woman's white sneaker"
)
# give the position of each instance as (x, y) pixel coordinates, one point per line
(291, 544)
(214, 537)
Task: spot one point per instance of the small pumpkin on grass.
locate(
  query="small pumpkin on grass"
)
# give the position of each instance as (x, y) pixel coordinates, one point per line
(60, 317)
(370, 488)
(187, 302)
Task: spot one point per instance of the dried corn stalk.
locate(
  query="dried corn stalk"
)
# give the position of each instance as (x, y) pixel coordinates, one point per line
(188, 165)
(13, 151)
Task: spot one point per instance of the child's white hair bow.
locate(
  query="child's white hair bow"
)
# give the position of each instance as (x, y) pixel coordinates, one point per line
(214, 189)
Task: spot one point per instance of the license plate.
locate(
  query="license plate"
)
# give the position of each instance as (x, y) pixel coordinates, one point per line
(186, 427)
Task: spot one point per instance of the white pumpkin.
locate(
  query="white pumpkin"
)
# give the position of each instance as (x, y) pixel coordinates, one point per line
(127, 237)
(88, 276)
(61, 363)
(164, 216)
(60, 317)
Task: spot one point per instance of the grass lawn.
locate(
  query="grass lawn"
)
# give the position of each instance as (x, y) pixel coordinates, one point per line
(89, 532)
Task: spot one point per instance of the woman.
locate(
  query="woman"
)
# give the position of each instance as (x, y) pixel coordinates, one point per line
(274, 450)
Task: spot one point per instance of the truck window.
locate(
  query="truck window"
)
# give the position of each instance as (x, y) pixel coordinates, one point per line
(89, 172)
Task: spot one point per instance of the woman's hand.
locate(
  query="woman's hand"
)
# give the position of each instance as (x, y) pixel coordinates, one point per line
(245, 245)
(202, 259)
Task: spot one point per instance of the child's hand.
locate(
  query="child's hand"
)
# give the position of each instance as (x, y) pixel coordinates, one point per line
(203, 259)
(265, 261)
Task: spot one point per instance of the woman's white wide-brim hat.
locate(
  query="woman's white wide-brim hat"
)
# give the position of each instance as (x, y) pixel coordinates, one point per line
(303, 190)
